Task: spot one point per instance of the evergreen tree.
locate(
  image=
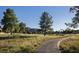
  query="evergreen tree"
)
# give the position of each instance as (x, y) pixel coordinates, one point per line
(45, 23)
(22, 27)
(9, 21)
(75, 19)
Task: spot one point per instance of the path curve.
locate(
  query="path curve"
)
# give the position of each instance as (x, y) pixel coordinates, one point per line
(51, 46)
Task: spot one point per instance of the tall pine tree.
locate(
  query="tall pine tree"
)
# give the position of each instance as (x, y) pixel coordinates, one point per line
(45, 23)
(9, 21)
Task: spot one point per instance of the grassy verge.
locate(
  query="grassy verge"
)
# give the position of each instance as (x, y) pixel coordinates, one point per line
(18, 43)
(70, 45)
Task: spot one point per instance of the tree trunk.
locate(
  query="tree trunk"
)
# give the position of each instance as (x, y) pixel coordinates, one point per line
(11, 33)
(44, 34)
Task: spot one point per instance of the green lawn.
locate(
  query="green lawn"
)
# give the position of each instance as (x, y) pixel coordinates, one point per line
(17, 43)
(70, 45)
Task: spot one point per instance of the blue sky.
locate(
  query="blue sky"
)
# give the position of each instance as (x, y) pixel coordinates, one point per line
(31, 15)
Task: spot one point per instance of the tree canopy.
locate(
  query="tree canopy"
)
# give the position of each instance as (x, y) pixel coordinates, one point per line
(9, 21)
(45, 22)
(75, 19)
(22, 27)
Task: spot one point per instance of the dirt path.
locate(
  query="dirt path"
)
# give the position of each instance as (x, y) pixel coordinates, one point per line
(50, 46)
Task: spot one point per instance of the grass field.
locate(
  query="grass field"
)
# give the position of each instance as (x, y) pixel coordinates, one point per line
(70, 45)
(18, 43)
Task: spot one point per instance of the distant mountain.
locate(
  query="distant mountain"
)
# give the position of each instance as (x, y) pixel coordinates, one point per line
(33, 30)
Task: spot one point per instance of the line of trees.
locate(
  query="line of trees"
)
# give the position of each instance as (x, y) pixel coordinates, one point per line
(12, 25)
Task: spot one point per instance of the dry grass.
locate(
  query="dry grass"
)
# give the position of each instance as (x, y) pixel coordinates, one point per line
(71, 45)
(23, 42)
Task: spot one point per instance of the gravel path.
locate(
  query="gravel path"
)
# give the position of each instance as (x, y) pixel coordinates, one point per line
(50, 46)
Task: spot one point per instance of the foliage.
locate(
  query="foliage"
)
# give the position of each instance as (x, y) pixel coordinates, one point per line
(23, 28)
(9, 21)
(75, 19)
(45, 23)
